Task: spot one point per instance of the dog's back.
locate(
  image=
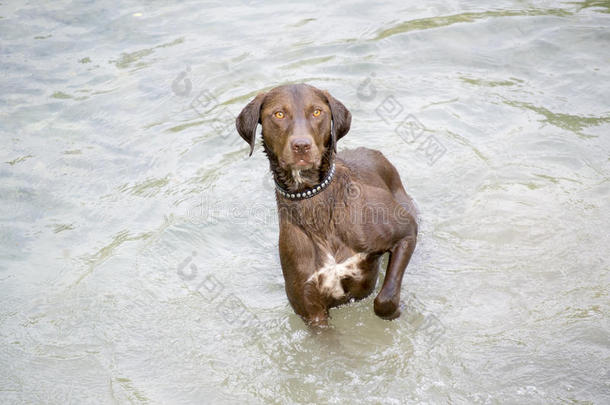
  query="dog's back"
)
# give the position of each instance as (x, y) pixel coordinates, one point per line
(338, 213)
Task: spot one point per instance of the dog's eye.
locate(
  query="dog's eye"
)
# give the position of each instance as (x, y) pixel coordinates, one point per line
(279, 114)
(317, 112)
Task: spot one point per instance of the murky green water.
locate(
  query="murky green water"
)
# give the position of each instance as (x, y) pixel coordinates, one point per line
(138, 255)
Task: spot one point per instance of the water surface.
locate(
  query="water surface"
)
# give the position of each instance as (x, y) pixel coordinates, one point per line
(138, 254)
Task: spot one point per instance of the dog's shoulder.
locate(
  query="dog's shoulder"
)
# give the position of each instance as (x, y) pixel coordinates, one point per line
(360, 153)
(367, 160)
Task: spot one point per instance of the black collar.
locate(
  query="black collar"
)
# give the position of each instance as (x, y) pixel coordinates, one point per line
(301, 195)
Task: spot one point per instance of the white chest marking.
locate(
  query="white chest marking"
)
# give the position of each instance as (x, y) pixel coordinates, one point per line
(296, 176)
(328, 277)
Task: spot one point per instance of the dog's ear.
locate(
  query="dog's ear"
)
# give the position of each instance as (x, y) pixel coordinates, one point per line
(248, 119)
(341, 119)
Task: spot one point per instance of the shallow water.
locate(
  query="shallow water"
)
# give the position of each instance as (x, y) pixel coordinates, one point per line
(138, 261)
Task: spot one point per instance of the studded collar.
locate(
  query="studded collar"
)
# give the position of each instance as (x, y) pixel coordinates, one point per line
(308, 193)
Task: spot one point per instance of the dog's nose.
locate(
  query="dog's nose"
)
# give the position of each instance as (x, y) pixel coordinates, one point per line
(301, 145)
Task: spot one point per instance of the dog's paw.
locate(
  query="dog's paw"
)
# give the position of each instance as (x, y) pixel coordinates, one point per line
(317, 322)
(387, 308)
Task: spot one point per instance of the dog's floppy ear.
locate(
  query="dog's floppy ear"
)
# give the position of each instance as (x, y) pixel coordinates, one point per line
(341, 119)
(248, 119)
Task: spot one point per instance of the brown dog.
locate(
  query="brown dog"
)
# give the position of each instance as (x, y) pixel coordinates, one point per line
(338, 213)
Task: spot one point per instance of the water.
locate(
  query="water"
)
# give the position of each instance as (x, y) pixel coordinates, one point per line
(139, 261)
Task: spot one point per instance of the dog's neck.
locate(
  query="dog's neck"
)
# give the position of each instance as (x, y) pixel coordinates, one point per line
(299, 180)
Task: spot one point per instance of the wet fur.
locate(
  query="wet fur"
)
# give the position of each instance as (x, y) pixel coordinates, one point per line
(330, 244)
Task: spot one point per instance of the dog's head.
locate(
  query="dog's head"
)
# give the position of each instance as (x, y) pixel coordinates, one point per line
(301, 125)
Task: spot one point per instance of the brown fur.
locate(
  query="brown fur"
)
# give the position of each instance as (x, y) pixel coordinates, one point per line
(365, 209)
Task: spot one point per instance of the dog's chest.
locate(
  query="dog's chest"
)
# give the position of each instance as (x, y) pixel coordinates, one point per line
(328, 278)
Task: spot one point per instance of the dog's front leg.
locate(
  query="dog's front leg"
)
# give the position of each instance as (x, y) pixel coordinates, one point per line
(316, 313)
(297, 255)
(304, 296)
(387, 302)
